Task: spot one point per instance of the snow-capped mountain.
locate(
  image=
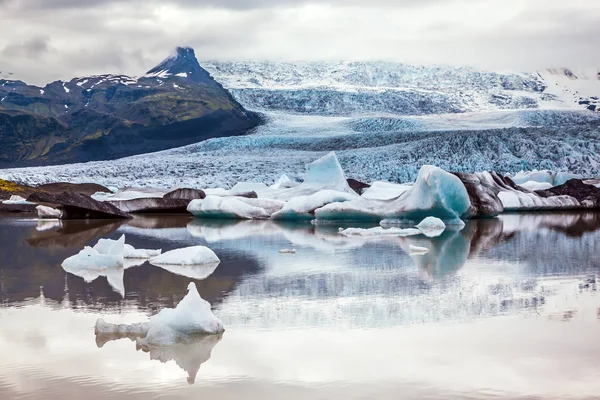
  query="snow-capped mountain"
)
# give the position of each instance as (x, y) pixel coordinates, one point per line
(110, 116)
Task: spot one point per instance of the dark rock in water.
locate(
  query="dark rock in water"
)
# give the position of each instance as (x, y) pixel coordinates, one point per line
(78, 206)
(587, 195)
(18, 208)
(357, 186)
(248, 195)
(61, 187)
(185, 194)
(483, 191)
(151, 205)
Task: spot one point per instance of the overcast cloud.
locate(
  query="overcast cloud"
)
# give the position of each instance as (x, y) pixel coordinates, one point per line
(45, 40)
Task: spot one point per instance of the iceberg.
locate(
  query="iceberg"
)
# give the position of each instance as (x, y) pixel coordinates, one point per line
(111, 257)
(435, 193)
(385, 190)
(284, 182)
(379, 231)
(14, 199)
(194, 255)
(431, 227)
(104, 245)
(551, 178)
(192, 316)
(303, 207)
(234, 207)
(45, 212)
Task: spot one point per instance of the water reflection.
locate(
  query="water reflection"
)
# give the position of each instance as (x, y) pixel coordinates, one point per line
(189, 352)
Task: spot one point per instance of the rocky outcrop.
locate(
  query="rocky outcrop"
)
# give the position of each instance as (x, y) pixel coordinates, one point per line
(78, 206)
(83, 188)
(587, 195)
(483, 193)
(151, 205)
(357, 186)
(185, 194)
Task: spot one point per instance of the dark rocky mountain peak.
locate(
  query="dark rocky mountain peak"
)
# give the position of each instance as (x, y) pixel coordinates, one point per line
(181, 63)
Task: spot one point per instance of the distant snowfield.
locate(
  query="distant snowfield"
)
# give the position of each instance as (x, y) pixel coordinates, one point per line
(504, 122)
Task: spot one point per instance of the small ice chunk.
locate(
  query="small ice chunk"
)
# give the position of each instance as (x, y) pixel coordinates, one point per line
(14, 199)
(91, 258)
(432, 227)
(416, 250)
(288, 251)
(194, 255)
(284, 182)
(131, 252)
(379, 231)
(303, 207)
(45, 212)
(385, 191)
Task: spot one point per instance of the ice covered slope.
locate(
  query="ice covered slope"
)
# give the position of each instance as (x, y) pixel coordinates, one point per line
(359, 88)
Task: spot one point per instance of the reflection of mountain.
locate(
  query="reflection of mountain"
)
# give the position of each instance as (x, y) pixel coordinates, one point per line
(31, 262)
(73, 233)
(189, 352)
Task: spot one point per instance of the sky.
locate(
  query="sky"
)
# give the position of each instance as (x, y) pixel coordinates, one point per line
(46, 40)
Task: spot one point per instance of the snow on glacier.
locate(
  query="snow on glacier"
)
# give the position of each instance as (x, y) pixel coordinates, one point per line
(480, 121)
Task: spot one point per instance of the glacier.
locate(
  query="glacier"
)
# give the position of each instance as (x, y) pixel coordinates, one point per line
(383, 120)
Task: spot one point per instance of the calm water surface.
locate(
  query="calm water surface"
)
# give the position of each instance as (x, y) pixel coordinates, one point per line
(505, 308)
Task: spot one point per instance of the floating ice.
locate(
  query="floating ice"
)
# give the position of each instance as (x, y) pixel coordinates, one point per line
(45, 212)
(234, 207)
(103, 247)
(194, 255)
(432, 227)
(303, 207)
(551, 178)
(288, 251)
(111, 257)
(385, 191)
(14, 199)
(284, 182)
(192, 315)
(379, 231)
(435, 193)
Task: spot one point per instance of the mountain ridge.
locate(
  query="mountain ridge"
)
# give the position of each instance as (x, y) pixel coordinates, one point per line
(110, 116)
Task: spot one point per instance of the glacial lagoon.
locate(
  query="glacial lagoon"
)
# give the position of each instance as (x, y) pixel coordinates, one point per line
(504, 308)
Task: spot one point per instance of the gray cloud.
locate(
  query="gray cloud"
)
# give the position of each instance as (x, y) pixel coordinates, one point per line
(43, 40)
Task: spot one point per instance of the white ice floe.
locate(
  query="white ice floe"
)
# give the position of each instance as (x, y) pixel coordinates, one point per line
(432, 227)
(385, 190)
(131, 252)
(194, 255)
(533, 185)
(130, 194)
(415, 250)
(234, 207)
(379, 231)
(45, 212)
(547, 177)
(104, 247)
(303, 207)
(14, 199)
(435, 193)
(110, 257)
(193, 315)
(284, 182)
(288, 251)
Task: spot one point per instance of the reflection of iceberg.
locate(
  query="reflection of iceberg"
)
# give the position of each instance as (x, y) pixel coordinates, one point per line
(191, 316)
(446, 253)
(48, 225)
(198, 272)
(114, 275)
(189, 352)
